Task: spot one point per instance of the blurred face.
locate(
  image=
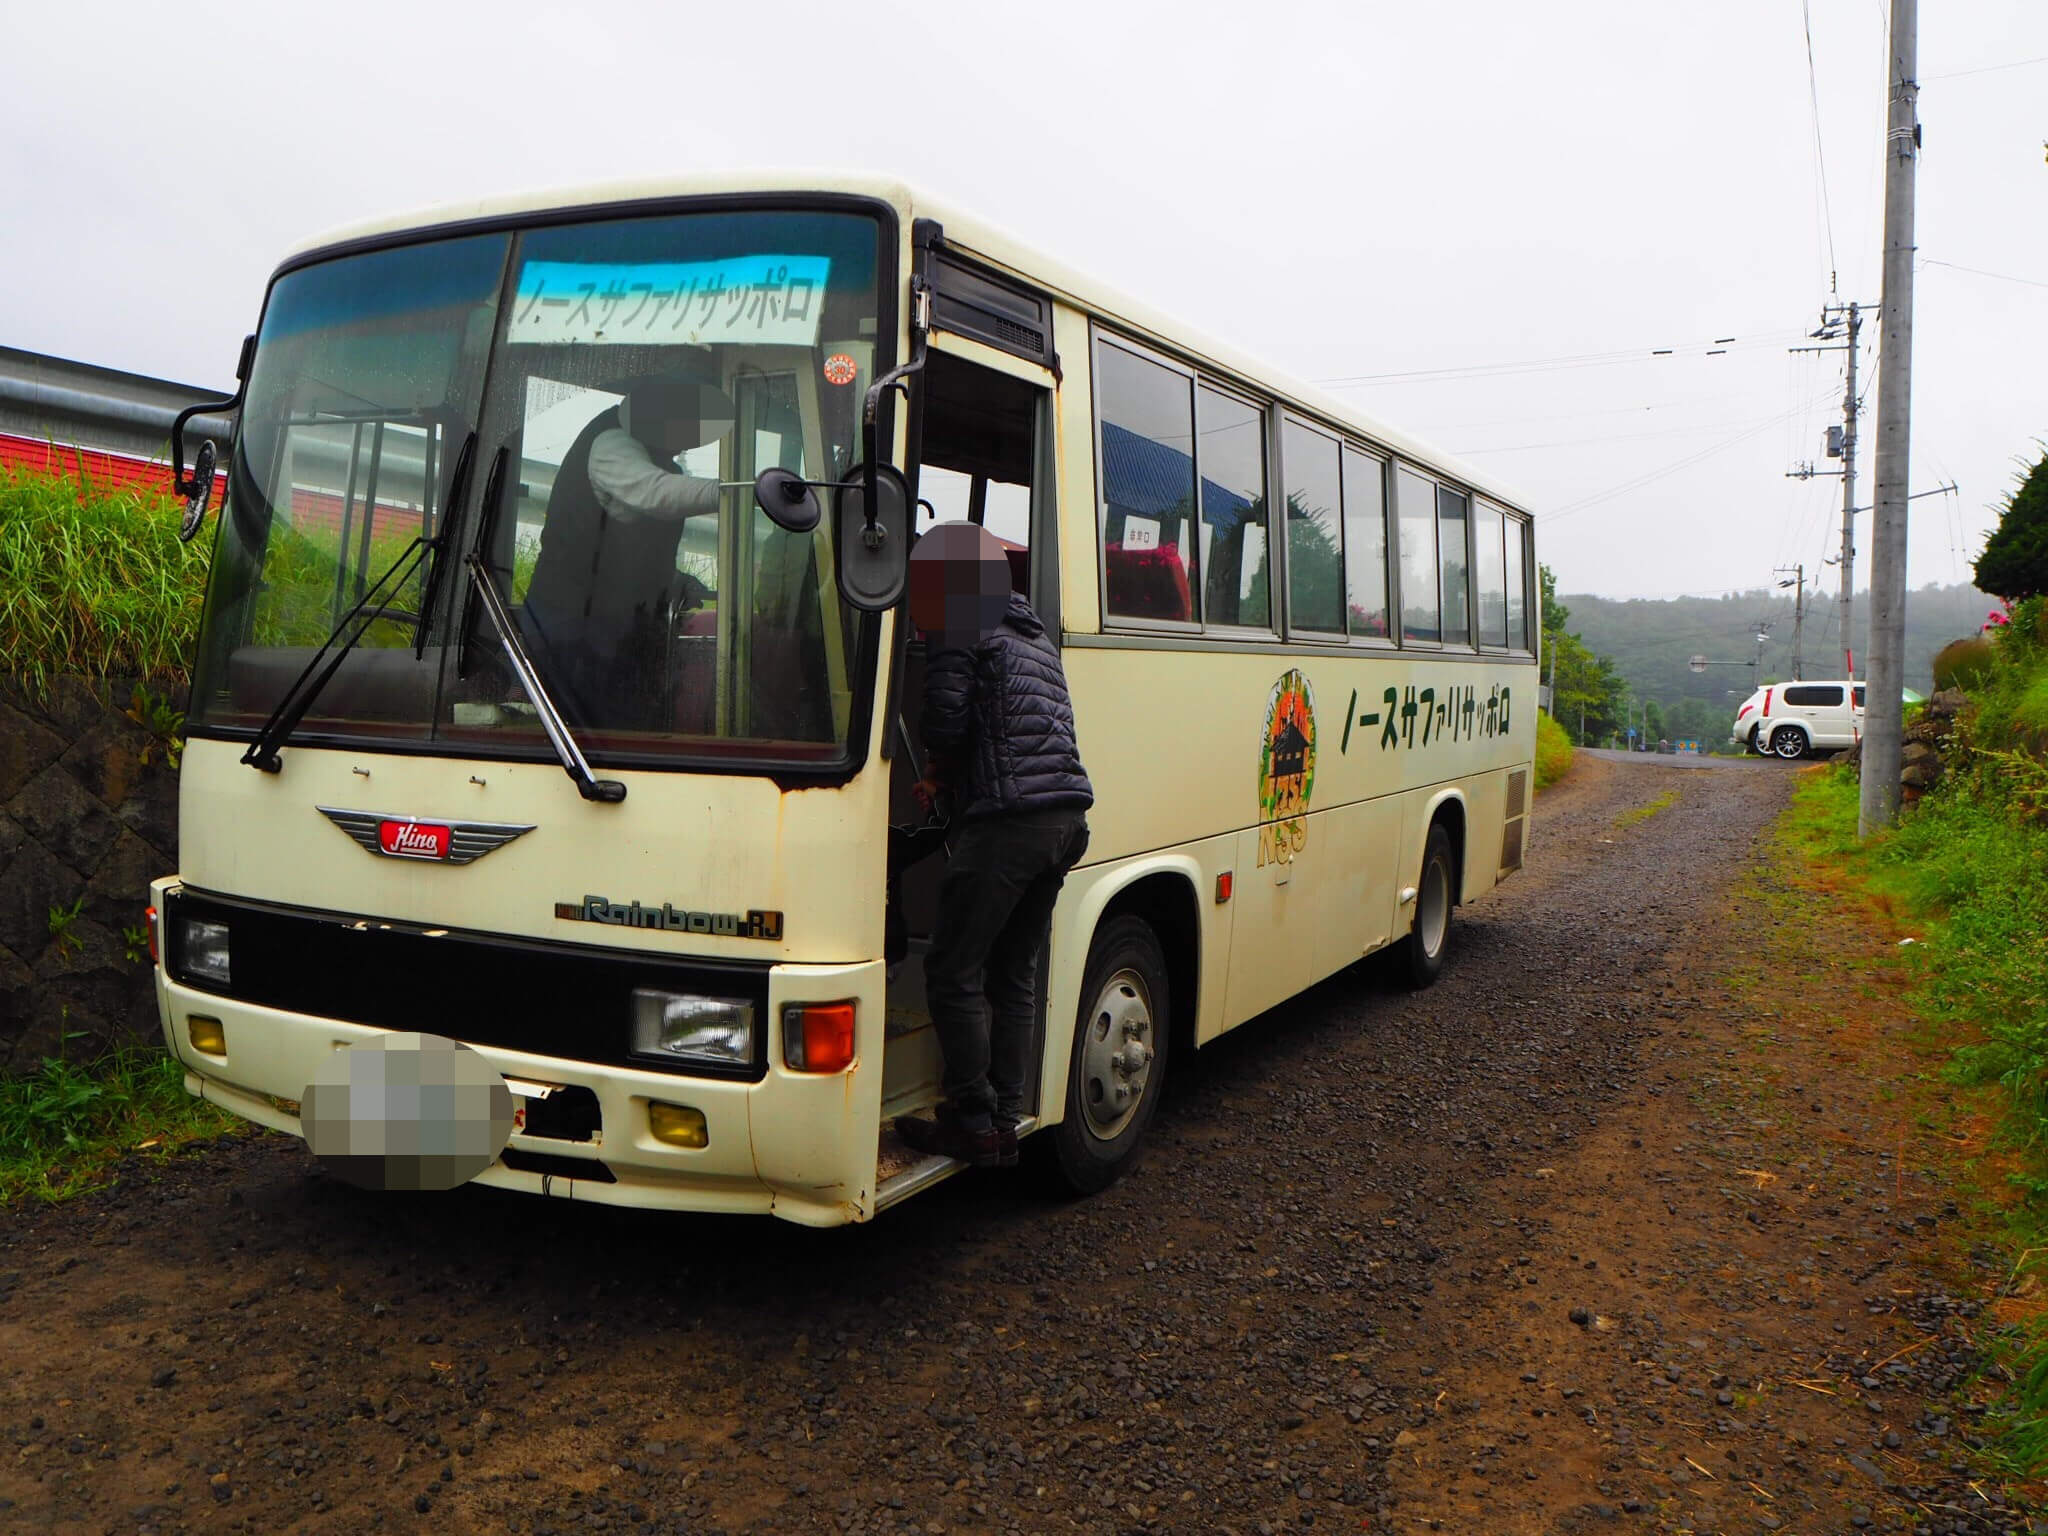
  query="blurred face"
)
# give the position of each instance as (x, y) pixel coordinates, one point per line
(666, 432)
(959, 584)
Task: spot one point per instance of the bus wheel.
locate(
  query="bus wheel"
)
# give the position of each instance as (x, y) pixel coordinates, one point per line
(1423, 949)
(1119, 1060)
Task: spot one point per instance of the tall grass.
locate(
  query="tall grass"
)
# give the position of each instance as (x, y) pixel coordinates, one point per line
(94, 581)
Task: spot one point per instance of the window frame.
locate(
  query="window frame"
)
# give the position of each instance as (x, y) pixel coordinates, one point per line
(1456, 647)
(1492, 509)
(1399, 601)
(1317, 637)
(1276, 559)
(1532, 600)
(1098, 339)
(1383, 462)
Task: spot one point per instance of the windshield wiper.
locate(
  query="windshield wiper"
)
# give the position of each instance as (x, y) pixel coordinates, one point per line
(457, 484)
(485, 588)
(298, 698)
(486, 524)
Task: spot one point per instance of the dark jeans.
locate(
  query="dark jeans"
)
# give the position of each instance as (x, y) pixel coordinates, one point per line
(981, 974)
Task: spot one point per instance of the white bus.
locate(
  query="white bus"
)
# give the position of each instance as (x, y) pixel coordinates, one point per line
(652, 869)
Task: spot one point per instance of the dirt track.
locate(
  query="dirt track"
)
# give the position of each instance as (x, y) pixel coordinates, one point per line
(1494, 1257)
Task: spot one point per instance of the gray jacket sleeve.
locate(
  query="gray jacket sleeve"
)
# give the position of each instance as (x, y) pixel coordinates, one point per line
(633, 488)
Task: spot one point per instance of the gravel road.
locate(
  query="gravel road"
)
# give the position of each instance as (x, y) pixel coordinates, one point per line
(1392, 1261)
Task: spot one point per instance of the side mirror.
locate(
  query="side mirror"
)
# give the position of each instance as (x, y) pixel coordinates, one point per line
(874, 541)
(788, 500)
(200, 490)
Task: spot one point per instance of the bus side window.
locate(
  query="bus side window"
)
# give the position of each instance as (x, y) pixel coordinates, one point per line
(1147, 418)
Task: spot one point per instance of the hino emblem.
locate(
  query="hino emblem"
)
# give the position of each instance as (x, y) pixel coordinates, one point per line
(409, 837)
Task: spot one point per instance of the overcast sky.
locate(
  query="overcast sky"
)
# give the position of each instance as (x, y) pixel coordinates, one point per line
(1479, 219)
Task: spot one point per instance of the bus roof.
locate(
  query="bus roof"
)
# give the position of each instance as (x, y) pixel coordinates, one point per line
(967, 232)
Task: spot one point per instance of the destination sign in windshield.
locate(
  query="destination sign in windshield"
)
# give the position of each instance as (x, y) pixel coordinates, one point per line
(743, 299)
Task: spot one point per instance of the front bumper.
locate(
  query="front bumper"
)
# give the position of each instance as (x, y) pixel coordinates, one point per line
(796, 1145)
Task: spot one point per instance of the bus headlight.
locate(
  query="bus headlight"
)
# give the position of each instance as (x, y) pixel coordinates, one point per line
(203, 950)
(676, 1027)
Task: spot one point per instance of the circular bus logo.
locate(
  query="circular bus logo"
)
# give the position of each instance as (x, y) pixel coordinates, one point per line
(1287, 757)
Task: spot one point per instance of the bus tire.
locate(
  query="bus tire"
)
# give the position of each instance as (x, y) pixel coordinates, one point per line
(1422, 952)
(1119, 1059)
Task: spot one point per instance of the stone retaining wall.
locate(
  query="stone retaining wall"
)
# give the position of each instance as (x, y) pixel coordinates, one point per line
(88, 810)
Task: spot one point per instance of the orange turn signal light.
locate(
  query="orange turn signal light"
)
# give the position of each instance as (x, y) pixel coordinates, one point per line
(206, 1034)
(149, 922)
(817, 1037)
(1223, 887)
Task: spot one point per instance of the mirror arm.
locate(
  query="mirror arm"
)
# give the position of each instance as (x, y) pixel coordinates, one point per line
(191, 486)
(898, 377)
(895, 378)
(197, 487)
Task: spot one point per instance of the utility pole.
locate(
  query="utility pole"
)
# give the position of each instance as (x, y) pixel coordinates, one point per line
(1849, 413)
(1798, 584)
(1842, 445)
(1878, 801)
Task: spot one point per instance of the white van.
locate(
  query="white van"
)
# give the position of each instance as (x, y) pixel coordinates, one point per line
(1797, 718)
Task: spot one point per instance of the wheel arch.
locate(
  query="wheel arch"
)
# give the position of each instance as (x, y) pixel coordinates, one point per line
(1448, 807)
(1164, 891)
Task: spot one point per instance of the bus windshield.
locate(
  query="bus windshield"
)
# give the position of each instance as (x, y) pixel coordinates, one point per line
(626, 380)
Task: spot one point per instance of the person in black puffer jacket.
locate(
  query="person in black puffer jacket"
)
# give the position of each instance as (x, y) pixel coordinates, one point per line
(999, 727)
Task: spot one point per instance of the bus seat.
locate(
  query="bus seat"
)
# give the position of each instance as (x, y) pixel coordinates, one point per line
(1147, 583)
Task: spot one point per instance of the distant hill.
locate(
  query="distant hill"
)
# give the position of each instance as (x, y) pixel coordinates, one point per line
(1651, 641)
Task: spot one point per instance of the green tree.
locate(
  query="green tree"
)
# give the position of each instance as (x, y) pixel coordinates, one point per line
(2015, 560)
(1586, 696)
(1555, 614)
(1587, 691)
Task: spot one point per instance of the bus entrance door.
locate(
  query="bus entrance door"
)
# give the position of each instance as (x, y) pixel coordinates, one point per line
(984, 436)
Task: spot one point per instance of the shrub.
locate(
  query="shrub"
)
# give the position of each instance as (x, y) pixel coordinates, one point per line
(1964, 663)
(1553, 752)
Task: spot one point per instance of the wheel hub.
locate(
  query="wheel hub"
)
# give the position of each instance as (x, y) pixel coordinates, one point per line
(1434, 910)
(1117, 1055)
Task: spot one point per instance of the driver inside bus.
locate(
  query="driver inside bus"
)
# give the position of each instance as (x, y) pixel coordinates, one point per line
(598, 604)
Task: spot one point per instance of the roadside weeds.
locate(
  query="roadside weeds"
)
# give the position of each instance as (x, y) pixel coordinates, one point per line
(70, 1127)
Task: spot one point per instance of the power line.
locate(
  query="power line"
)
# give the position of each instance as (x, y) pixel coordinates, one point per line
(1437, 430)
(1550, 364)
(2031, 282)
(1586, 503)
(1620, 437)
(1819, 154)
(1957, 74)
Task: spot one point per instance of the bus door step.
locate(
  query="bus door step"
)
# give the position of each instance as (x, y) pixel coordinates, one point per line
(901, 1170)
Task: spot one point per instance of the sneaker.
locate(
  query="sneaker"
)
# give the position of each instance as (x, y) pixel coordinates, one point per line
(946, 1137)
